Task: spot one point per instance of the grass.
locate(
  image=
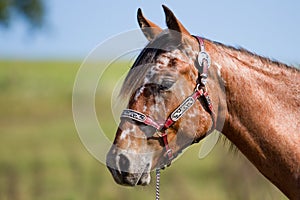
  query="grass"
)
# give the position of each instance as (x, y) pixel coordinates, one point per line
(42, 157)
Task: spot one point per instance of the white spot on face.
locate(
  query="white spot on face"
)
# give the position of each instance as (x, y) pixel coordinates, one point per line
(127, 132)
(164, 60)
(140, 91)
(192, 113)
(124, 134)
(144, 108)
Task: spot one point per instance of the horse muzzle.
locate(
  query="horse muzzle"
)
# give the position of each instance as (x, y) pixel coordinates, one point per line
(126, 173)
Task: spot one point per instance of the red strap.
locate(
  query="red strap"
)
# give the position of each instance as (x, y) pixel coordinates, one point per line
(149, 121)
(168, 149)
(169, 122)
(201, 43)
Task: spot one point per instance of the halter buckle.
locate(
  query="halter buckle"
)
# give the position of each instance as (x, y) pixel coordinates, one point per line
(204, 57)
(157, 132)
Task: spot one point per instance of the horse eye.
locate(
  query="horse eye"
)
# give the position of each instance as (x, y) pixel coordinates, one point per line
(165, 85)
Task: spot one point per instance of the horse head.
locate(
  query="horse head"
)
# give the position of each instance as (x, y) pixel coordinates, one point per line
(164, 115)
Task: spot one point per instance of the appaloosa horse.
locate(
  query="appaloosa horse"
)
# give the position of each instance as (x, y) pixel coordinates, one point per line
(260, 106)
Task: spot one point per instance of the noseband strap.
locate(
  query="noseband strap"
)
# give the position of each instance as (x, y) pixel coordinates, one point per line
(199, 92)
(140, 117)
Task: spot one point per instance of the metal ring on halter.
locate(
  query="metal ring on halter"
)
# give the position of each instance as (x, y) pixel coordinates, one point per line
(197, 88)
(200, 88)
(158, 133)
(204, 56)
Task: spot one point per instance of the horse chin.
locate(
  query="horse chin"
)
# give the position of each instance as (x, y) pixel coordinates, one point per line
(144, 179)
(130, 179)
(136, 179)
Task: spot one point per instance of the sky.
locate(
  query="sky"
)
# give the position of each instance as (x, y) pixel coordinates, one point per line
(73, 28)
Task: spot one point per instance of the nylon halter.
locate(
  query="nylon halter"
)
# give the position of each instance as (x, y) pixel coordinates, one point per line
(199, 92)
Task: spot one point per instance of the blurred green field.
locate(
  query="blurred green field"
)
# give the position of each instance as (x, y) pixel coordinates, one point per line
(42, 157)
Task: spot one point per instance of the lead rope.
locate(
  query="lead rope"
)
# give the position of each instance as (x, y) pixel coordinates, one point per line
(157, 183)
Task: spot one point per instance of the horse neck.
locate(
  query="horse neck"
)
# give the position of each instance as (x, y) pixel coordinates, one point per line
(262, 113)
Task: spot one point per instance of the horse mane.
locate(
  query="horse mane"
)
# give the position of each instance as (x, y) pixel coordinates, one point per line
(265, 60)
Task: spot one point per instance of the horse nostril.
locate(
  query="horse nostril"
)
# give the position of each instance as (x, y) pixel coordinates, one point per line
(123, 163)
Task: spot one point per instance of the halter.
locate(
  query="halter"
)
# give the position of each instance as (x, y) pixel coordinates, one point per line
(173, 117)
(200, 91)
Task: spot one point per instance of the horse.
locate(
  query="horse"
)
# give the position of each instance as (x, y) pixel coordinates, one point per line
(176, 99)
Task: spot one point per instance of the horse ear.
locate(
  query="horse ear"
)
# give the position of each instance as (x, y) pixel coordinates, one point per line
(173, 23)
(149, 29)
